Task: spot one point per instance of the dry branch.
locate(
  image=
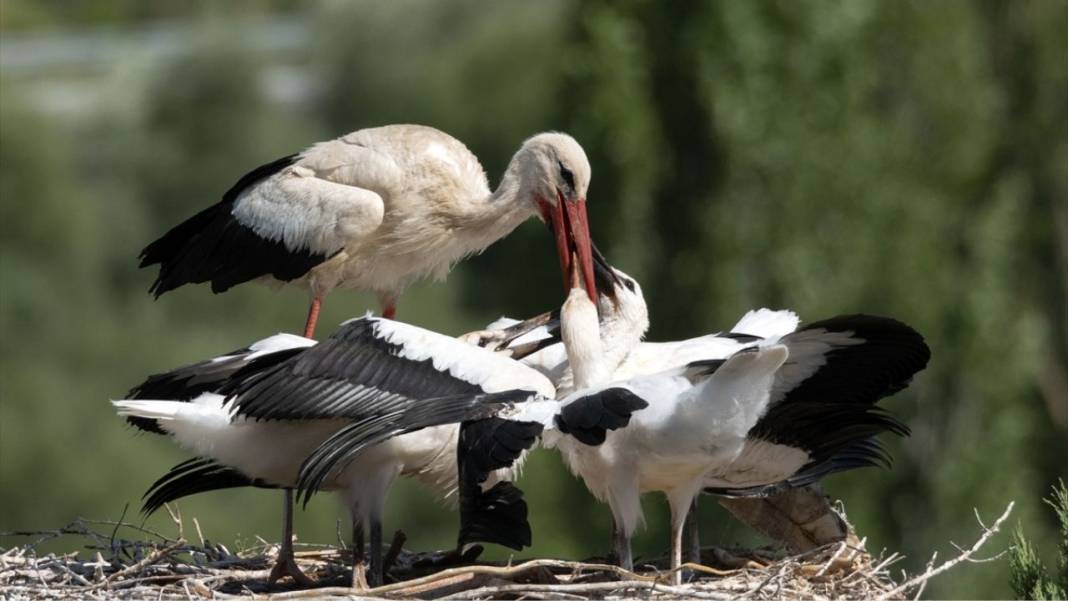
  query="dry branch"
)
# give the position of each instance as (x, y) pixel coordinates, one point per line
(931, 572)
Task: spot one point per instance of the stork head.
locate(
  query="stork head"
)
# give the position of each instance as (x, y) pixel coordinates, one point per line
(556, 175)
(623, 314)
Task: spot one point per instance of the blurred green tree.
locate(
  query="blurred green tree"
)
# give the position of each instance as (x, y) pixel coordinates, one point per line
(849, 157)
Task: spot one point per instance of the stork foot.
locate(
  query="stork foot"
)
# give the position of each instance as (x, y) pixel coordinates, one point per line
(284, 566)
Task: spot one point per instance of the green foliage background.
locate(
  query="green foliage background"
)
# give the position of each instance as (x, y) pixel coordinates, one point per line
(902, 158)
(1029, 576)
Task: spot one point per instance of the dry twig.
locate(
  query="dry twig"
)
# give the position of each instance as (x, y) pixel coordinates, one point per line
(931, 572)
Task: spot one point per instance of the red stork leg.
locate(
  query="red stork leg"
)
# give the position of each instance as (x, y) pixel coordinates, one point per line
(389, 309)
(313, 316)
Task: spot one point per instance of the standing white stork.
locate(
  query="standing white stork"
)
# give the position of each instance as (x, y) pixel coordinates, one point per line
(698, 416)
(254, 416)
(718, 419)
(376, 209)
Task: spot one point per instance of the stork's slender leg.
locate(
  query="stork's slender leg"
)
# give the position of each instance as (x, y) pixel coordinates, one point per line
(359, 558)
(286, 565)
(375, 571)
(680, 509)
(313, 316)
(692, 534)
(389, 310)
(621, 545)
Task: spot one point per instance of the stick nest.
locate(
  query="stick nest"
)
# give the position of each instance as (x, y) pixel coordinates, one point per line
(156, 566)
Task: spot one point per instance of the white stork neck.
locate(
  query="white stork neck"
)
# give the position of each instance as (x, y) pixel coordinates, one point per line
(617, 343)
(580, 331)
(500, 212)
(623, 325)
(512, 186)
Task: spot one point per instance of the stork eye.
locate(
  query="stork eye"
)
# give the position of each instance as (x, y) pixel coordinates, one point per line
(629, 284)
(565, 173)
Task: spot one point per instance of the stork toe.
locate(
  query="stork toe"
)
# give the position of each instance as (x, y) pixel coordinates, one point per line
(284, 566)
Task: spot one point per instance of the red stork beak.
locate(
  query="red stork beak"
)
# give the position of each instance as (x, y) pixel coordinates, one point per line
(571, 231)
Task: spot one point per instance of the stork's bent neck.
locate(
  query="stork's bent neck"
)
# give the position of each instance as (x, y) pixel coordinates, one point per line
(580, 331)
(498, 214)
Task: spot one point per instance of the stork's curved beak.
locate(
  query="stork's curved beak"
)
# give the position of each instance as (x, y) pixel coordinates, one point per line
(605, 277)
(571, 231)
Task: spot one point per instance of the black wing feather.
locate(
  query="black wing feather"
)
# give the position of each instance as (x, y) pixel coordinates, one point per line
(346, 444)
(589, 418)
(192, 477)
(832, 414)
(862, 453)
(835, 406)
(882, 365)
(353, 374)
(491, 444)
(190, 381)
(213, 246)
(499, 515)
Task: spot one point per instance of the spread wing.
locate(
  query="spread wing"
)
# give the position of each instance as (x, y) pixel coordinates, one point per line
(372, 367)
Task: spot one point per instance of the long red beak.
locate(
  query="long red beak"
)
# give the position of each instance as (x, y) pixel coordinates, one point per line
(571, 231)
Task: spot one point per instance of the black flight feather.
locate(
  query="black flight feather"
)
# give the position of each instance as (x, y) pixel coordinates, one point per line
(498, 516)
(353, 374)
(192, 477)
(835, 406)
(740, 337)
(491, 444)
(213, 246)
(190, 381)
(345, 445)
(862, 453)
(589, 418)
(832, 414)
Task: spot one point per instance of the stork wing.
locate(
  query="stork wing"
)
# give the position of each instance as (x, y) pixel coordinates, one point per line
(850, 359)
(281, 219)
(334, 454)
(190, 381)
(372, 367)
(329, 199)
(216, 246)
(498, 428)
(824, 398)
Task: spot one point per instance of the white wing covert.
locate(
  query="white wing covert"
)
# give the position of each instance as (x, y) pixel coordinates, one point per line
(330, 199)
